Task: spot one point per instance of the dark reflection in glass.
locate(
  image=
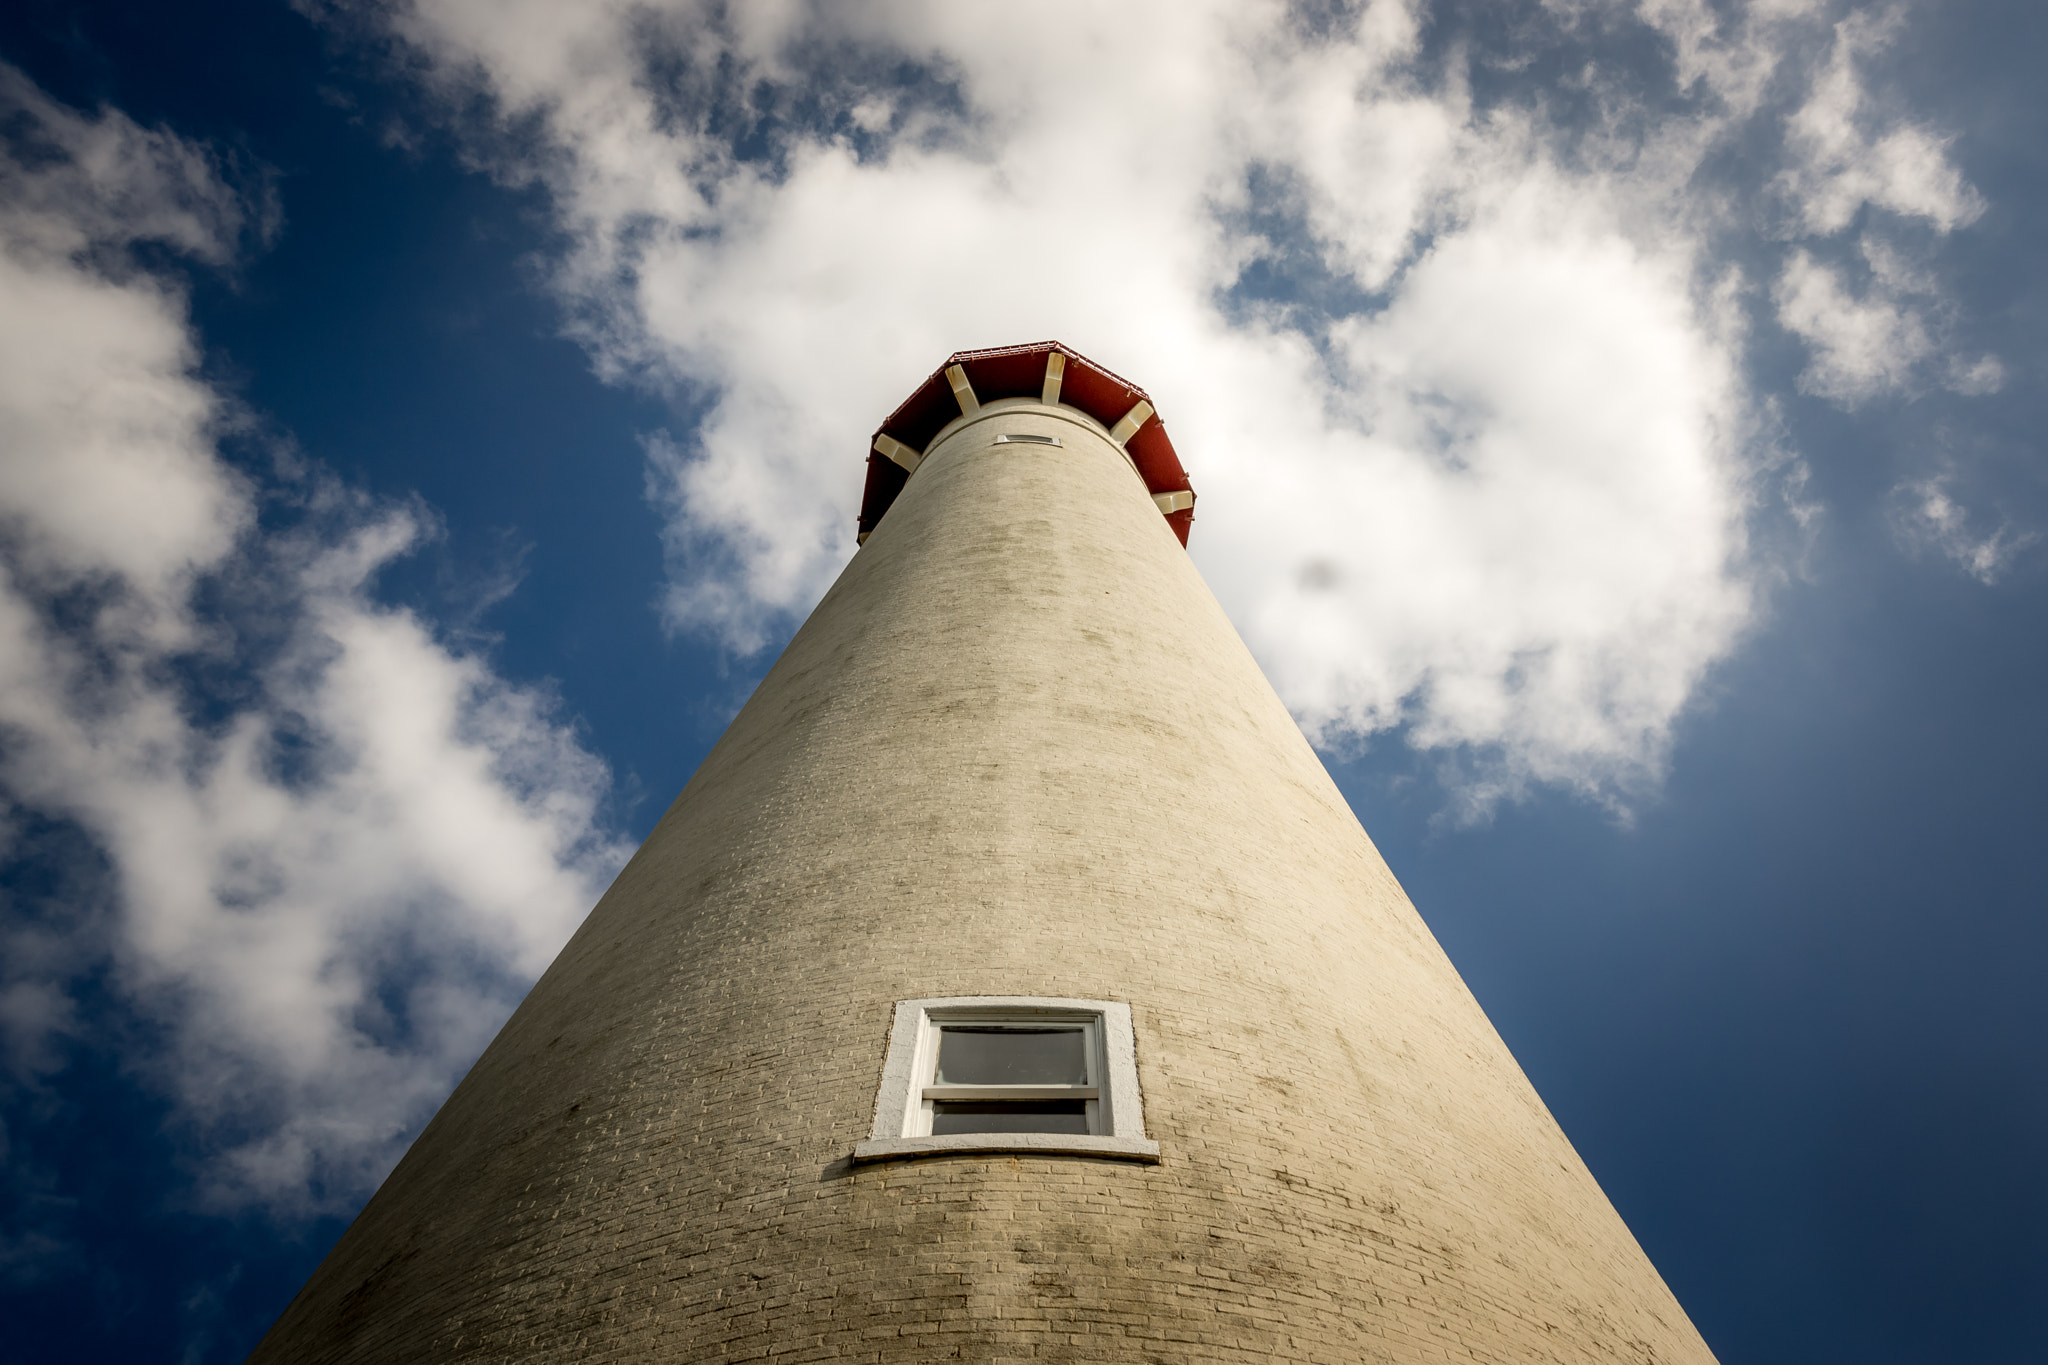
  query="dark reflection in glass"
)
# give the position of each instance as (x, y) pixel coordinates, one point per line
(1009, 1116)
(975, 1055)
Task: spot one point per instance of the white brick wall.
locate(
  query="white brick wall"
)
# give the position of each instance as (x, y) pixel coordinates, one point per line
(1017, 750)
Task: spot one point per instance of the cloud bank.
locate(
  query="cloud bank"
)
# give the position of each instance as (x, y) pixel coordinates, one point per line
(332, 848)
(1448, 307)
(1451, 311)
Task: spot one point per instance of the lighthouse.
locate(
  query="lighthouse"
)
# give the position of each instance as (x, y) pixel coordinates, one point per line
(1011, 982)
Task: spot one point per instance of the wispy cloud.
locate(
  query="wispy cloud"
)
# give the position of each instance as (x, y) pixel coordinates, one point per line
(1859, 175)
(335, 847)
(1927, 516)
(1862, 345)
(1849, 149)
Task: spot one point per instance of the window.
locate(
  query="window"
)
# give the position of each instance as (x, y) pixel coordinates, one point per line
(1025, 438)
(1012, 1075)
(1000, 1073)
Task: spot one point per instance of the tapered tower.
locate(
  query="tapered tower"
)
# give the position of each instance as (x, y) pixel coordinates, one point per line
(1010, 982)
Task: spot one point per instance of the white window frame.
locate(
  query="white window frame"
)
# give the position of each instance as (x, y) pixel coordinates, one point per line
(928, 1090)
(903, 1104)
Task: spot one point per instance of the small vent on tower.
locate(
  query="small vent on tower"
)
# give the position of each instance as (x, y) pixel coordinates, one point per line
(1025, 438)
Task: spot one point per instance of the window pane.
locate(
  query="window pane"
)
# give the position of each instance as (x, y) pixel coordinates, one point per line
(1010, 1116)
(975, 1055)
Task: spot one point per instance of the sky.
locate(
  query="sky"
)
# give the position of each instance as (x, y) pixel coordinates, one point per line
(1617, 434)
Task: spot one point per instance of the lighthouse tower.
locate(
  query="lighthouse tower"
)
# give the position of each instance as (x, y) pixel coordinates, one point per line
(1011, 982)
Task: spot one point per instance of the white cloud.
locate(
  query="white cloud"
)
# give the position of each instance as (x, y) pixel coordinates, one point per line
(768, 214)
(1849, 150)
(107, 467)
(1733, 52)
(1890, 333)
(1852, 169)
(1549, 572)
(1853, 157)
(1861, 347)
(1929, 518)
(330, 877)
(1505, 512)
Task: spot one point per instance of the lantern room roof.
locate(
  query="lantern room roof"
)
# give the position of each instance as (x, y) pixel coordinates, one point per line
(1028, 371)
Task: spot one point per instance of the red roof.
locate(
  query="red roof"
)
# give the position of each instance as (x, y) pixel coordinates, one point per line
(1019, 372)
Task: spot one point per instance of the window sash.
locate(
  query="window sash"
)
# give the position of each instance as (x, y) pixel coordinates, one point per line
(1012, 1092)
(930, 1091)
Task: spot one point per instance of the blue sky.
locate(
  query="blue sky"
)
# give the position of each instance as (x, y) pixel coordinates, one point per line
(1618, 435)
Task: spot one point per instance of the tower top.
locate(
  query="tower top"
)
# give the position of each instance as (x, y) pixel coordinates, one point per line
(1039, 372)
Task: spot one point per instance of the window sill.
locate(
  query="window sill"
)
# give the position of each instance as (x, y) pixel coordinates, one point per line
(1041, 1144)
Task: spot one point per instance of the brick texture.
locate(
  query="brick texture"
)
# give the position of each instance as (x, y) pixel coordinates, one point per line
(1017, 750)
